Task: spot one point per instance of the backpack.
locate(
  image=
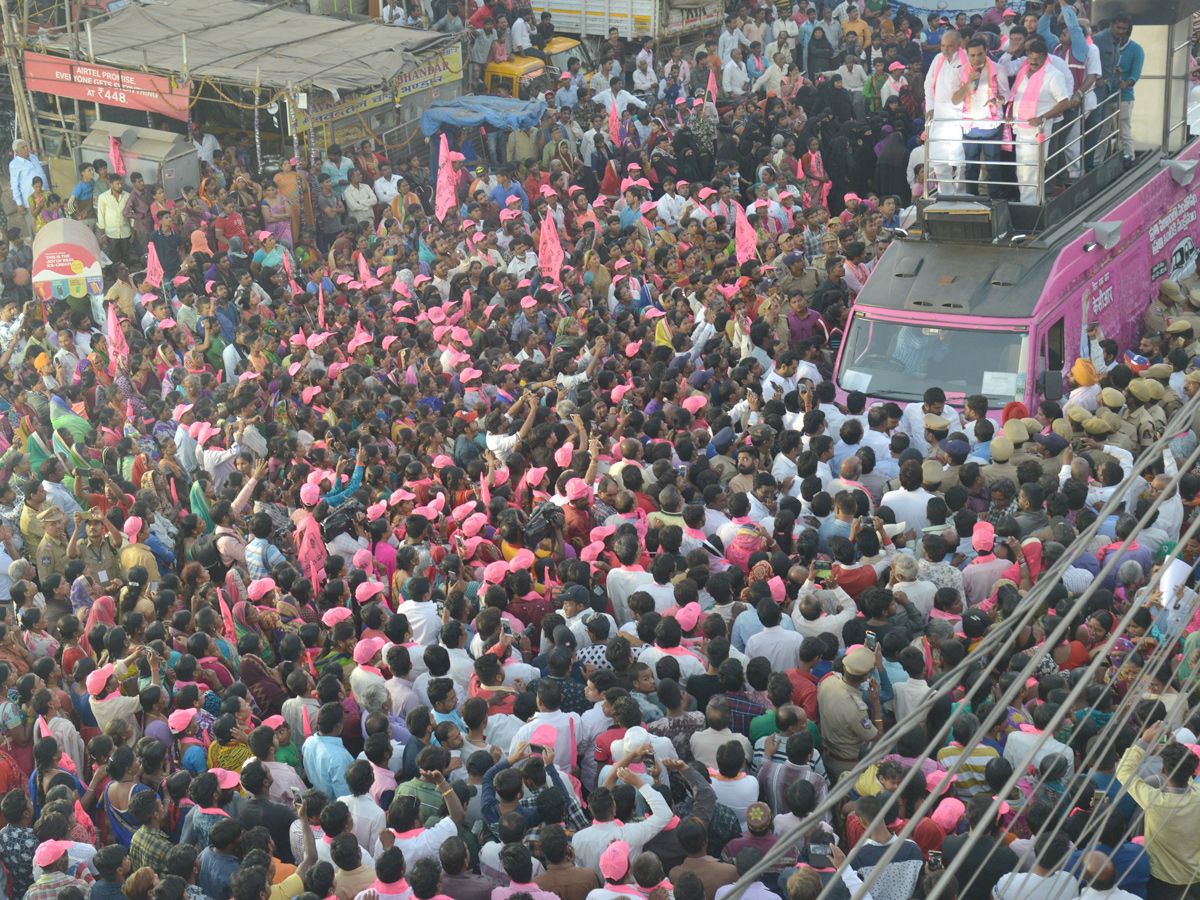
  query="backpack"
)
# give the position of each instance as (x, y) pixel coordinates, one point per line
(205, 552)
(542, 523)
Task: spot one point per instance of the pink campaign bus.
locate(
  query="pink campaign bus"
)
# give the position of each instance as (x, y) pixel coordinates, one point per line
(995, 298)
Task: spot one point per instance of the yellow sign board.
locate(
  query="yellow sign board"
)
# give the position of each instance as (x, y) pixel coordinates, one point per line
(435, 67)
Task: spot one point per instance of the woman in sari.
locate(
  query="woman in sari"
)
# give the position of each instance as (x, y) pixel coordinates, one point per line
(246, 620)
(263, 683)
(199, 501)
(817, 183)
(125, 771)
(277, 216)
(292, 189)
(226, 751)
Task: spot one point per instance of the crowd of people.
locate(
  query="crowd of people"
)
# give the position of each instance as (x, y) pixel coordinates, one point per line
(346, 518)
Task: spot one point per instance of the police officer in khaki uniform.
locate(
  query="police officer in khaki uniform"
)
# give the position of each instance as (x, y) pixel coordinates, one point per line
(1137, 398)
(1116, 432)
(1099, 434)
(1076, 416)
(1166, 306)
(1016, 431)
(1182, 333)
(937, 429)
(1154, 407)
(1051, 447)
(1191, 310)
(796, 275)
(931, 476)
(1161, 373)
(1113, 401)
(52, 551)
(1001, 465)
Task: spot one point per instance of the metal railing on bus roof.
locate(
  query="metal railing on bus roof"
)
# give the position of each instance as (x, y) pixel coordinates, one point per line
(1104, 135)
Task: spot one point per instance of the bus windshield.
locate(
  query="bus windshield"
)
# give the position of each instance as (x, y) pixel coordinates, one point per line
(898, 362)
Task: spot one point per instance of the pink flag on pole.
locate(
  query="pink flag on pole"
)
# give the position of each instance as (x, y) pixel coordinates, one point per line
(710, 92)
(118, 347)
(321, 305)
(745, 237)
(466, 301)
(114, 156)
(614, 125)
(363, 271)
(444, 201)
(550, 250)
(287, 262)
(154, 269)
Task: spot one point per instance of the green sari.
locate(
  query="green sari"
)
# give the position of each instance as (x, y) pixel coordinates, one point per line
(199, 505)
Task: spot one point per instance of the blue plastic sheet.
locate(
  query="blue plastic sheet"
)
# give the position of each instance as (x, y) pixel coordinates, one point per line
(473, 111)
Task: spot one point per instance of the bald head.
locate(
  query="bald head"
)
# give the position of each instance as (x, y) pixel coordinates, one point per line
(1162, 485)
(631, 448)
(1080, 470)
(1098, 868)
(851, 468)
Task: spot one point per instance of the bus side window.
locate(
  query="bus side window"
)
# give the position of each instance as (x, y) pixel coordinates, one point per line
(1053, 347)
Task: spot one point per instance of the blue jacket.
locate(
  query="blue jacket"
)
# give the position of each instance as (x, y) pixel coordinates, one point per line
(1079, 46)
(1117, 63)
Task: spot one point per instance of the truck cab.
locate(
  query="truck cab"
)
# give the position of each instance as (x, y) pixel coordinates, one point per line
(986, 297)
(528, 77)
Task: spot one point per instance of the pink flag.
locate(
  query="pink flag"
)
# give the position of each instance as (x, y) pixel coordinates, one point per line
(287, 263)
(614, 125)
(550, 250)
(745, 238)
(114, 156)
(466, 301)
(154, 269)
(118, 347)
(321, 304)
(363, 271)
(226, 615)
(444, 201)
(710, 92)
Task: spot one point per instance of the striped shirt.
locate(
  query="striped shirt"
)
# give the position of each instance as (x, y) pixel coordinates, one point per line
(970, 773)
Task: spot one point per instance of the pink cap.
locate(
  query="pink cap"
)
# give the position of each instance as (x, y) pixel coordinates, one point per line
(274, 721)
(523, 559)
(614, 861)
(364, 651)
(368, 589)
(694, 404)
(376, 510)
(132, 527)
(939, 781)
(620, 391)
(469, 374)
(688, 616)
(562, 456)
(226, 779)
(592, 551)
(310, 393)
(400, 495)
(535, 475)
(949, 813)
(260, 587)
(473, 524)
(310, 494)
(183, 409)
(180, 719)
(632, 348)
(983, 536)
(97, 679)
(577, 489)
(335, 615)
(527, 302)
(50, 851)
(544, 736)
(654, 313)
(494, 573)
(600, 532)
(247, 376)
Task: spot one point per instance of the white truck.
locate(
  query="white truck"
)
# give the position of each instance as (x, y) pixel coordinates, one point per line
(667, 21)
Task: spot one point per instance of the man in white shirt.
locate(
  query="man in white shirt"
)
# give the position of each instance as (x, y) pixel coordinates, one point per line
(644, 80)
(670, 203)
(387, 186)
(590, 842)
(779, 646)
(910, 502)
(912, 422)
(943, 117)
(617, 92)
(206, 145)
(731, 39)
(522, 32)
(423, 619)
(734, 77)
(982, 97)
(1040, 95)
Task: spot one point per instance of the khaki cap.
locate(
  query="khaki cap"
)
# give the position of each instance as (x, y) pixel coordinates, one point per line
(1193, 298)
(1077, 413)
(1171, 289)
(1156, 389)
(1062, 428)
(1002, 448)
(1193, 376)
(1140, 389)
(1114, 421)
(1159, 370)
(1015, 431)
(931, 471)
(1033, 426)
(1179, 326)
(936, 423)
(50, 514)
(1097, 425)
(1112, 398)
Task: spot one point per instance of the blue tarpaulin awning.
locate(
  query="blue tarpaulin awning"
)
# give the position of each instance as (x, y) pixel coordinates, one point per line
(498, 112)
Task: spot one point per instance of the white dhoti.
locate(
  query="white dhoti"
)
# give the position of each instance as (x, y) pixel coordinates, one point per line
(1028, 151)
(945, 156)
